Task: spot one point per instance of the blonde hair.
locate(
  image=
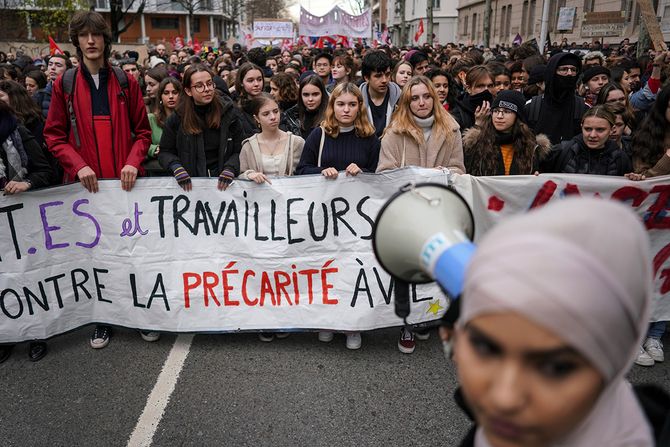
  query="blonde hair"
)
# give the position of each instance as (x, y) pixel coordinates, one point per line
(362, 124)
(403, 122)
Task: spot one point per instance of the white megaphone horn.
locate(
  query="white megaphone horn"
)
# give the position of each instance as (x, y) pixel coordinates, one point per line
(424, 233)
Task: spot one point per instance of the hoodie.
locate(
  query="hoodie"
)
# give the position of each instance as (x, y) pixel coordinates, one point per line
(394, 95)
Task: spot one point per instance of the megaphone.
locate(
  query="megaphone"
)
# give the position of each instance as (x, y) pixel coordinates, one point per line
(424, 233)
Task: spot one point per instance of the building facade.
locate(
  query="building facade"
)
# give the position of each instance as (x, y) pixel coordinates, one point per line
(579, 21)
(445, 21)
(161, 20)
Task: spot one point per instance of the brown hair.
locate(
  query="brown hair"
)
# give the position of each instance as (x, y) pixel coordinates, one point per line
(600, 111)
(362, 124)
(22, 105)
(189, 118)
(160, 114)
(475, 74)
(403, 122)
(288, 90)
(241, 73)
(93, 22)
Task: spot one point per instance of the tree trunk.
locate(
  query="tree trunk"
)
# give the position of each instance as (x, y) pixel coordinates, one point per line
(429, 19)
(403, 29)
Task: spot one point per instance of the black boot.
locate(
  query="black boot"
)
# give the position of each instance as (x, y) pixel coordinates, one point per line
(5, 352)
(37, 350)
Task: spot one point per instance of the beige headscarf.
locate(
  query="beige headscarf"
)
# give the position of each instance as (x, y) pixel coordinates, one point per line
(581, 269)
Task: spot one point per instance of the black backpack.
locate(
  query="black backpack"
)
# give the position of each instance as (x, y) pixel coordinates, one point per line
(69, 78)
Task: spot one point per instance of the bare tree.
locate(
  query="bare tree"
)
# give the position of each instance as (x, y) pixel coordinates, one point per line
(191, 6)
(119, 14)
(356, 6)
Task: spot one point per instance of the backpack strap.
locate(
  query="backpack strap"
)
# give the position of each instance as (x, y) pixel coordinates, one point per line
(69, 78)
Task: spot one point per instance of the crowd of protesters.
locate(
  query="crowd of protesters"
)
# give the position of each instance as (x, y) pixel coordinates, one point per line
(263, 113)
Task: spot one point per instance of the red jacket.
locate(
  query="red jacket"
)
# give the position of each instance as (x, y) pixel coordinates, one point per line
(131, 133)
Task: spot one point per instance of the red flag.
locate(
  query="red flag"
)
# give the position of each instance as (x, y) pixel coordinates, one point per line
(419, 31)
(54, 48)
(196, 45)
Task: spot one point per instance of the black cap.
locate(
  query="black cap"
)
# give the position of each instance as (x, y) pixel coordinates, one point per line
(511, 100)
(594, 71)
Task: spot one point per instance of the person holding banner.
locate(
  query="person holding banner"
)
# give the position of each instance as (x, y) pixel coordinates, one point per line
(23, 166)
(204, 137)
(539, 360)
(592, 151)
(97, 125)
(504, 145)
(345, 141)
(421, 134)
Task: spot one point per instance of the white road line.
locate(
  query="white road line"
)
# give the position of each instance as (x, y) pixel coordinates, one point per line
(160, 395)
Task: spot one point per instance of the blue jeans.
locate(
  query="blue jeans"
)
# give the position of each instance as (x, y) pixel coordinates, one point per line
(656, 329)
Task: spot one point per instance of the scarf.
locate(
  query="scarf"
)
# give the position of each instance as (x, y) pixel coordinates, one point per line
(426, 126)
(504, 138)
(12, 146)
(557, 266)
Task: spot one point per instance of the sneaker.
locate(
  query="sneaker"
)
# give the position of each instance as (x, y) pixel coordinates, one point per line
(101, 336)
(150, 336)
(266, 337)
(643, 358)
(654, 348)
(354, 340)
(422, 335)
(406, 344)
(325, 336)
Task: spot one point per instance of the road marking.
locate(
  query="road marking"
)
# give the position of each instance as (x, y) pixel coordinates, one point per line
(160, 395)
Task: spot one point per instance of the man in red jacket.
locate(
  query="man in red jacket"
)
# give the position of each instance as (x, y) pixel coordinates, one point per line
(97, 126)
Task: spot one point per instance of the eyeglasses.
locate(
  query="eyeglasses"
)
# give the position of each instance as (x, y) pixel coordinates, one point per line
(501, 110)
(200, 87)
(565, 69)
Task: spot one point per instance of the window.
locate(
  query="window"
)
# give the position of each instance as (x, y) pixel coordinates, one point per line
(195, 25)
(524, 16)
(436, 4)
(165, 23)
(413, 5)
(588, 5)
(503, 17)
(465, 25)
(531, 19)
(474, 26)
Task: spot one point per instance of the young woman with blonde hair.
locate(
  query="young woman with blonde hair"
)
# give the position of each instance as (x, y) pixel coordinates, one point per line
(421, 132)
(345, 141)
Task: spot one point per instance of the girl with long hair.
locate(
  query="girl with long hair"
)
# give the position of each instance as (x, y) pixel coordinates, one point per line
(402, 72)
(345, 141)
(23, 166)
(342, 70)
(35, 81)
(267, 154)
(152, 79)
(25, 109)
(169, 91)
(592, 151)
(248, 84)
(312, 104)
(285, 92)
(504, 145)
(444, 86)
(651, 141)
(195, 141)
(614, 93)
(421, 132)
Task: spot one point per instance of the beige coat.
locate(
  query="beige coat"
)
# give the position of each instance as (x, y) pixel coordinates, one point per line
(250, 157)
(400, 150)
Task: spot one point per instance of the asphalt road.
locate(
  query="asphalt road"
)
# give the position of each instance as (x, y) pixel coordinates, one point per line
(234, 390)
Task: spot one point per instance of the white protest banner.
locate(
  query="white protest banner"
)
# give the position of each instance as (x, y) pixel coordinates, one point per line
(336, 22)
(272, 29)
(495, 198)
(295, 254)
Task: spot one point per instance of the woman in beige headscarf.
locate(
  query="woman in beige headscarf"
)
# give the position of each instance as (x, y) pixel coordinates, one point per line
(552, 316)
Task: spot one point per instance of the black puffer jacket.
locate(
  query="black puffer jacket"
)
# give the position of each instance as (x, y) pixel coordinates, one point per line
(574, 157)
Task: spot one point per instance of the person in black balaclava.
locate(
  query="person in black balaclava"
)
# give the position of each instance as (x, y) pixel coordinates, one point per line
(559, 111)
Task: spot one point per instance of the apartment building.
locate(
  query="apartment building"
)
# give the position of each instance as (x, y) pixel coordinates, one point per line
(445, 21)
(160, 20)
(579, 21)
